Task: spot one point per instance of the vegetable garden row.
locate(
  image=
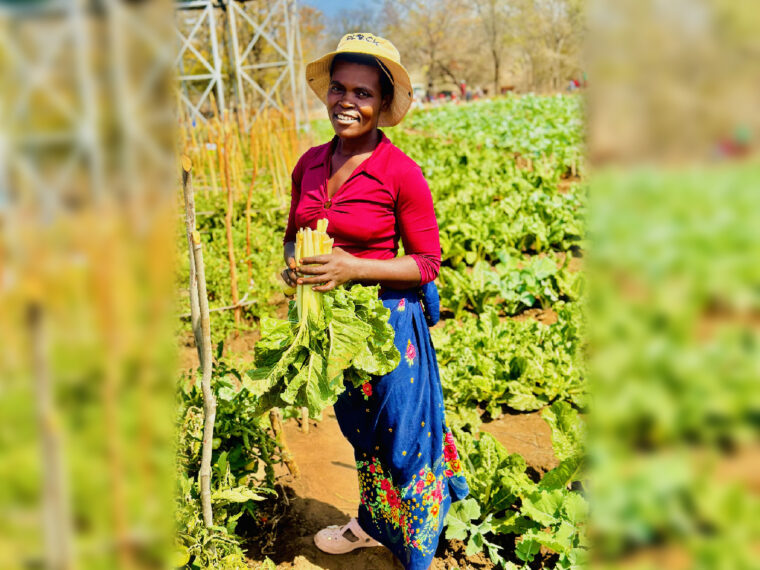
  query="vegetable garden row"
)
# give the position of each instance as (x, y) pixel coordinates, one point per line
(505, 177)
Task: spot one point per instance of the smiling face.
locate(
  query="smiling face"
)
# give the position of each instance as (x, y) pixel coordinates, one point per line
(354, 100)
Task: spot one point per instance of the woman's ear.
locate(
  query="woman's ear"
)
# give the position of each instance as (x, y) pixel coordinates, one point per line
(386, 104)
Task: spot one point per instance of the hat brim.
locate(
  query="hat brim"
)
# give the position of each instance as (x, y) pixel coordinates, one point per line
(318, 78)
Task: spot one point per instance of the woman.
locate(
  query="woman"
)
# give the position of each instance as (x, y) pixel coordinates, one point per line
(373, 195)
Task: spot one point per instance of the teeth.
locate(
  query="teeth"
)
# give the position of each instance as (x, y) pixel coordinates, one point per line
(342, 117)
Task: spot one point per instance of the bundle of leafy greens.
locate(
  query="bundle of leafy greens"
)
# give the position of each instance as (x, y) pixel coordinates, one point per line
(330, 337)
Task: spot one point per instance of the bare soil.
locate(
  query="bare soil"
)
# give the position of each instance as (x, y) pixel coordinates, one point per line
(526, 434)
(545, 316)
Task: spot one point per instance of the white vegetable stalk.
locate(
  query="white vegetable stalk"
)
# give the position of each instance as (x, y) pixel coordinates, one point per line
(310, 243)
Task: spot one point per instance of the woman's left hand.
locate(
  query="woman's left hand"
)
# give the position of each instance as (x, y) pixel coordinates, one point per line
(330, 270)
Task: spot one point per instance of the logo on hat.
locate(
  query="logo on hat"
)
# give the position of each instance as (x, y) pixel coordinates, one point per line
(364, 37)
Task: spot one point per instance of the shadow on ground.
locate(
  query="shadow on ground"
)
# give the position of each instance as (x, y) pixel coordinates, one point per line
(294, 543)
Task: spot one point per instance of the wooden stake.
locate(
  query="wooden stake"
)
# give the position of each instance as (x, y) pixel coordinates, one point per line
(209, 400)
(195, 309)
(211, 166)
(249, 261)
(304, 419)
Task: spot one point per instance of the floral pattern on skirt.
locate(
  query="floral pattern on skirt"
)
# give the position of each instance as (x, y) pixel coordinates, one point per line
(406, 457)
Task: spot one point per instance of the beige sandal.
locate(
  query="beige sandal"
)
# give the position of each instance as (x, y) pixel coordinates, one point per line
(333, 541)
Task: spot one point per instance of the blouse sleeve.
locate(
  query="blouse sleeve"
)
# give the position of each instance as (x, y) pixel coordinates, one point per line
(418, 225)
(295, 196)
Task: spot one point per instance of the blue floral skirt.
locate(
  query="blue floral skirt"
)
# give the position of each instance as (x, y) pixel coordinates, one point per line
(409, 469)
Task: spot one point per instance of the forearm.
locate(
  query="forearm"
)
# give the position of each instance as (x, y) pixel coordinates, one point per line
(328, 271)
(288, 250)
(397, 273)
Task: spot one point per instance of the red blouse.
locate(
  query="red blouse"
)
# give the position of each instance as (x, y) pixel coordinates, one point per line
(384, 199)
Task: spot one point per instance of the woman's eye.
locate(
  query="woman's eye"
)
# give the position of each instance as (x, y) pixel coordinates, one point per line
(334, 89)
(363, 94)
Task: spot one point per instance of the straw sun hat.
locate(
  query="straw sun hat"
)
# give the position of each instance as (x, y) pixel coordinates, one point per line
(318, 72)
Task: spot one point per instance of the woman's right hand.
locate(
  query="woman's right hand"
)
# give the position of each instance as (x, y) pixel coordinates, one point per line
(289, 273)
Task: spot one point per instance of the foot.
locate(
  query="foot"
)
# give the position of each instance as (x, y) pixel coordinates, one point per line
(341, 539)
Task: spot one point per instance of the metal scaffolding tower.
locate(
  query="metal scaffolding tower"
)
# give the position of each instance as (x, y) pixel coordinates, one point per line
(256, 58)
(274, 28)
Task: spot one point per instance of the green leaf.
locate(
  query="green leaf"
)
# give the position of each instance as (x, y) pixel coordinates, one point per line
(575, 508)
(559, 541)
(221, 463)
(304, 364)
(347, 339)
(455, 528)
(543, 506)
(474, 545)
(563, 474)
(527, 549)
(465, 510)
(568, 429)
(310, 375)
(180, 557)
(236, 495)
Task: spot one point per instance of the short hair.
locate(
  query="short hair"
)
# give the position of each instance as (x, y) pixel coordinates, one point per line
(386, 84)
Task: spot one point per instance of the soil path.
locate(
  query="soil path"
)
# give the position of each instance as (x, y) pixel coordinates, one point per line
(327, 492)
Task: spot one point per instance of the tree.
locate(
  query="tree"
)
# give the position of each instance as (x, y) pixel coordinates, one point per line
(493, 19)
(548, 35)
(429, 32)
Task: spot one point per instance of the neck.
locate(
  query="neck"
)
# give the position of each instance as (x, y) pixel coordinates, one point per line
(354, 146)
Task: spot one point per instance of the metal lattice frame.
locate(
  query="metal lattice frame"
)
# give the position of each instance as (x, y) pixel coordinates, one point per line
(288, 63)
(191, 41)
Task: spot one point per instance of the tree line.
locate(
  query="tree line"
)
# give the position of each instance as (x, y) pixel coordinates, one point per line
(497, 45)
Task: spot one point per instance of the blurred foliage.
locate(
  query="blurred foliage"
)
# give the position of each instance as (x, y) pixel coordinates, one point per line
(86, 353)
(675, 367)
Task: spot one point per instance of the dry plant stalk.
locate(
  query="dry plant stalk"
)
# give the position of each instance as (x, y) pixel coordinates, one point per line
(279, 435)
(255, 159)
(228, 229)
(305, 419)
(104, 287)
(56, 513)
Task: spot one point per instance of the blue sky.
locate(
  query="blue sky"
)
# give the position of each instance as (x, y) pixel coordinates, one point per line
(333, 7)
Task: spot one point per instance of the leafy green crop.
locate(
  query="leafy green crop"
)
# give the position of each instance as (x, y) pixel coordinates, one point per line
(533, 126)
(304, 364)
(512, 285)
(504, 500)
(523, 365)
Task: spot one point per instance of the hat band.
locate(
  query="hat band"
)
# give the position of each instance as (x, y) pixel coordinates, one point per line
(385, 70)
